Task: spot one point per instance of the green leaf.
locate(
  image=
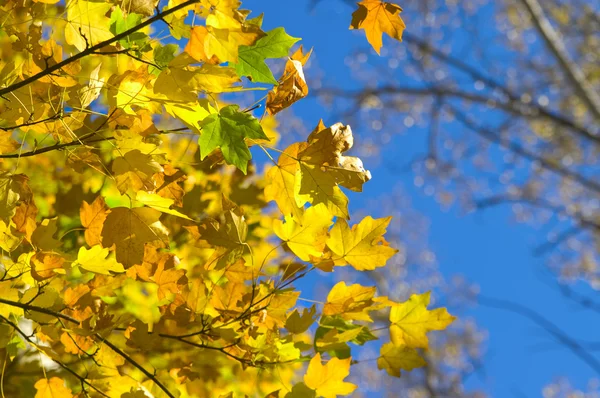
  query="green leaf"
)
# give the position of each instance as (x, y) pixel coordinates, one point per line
(300, 390)
(275, 44)
(334, 333)
(227, 130)
(119, 24)
(14, 345)
(162, 56)
(256, 21)
(5, 330)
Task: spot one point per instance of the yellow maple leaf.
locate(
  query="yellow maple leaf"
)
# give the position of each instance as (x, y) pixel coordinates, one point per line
(196, 46)
(95, 260)
(305, 236)
(216, 45)
(92, 219)
(130, 230)
(279, 303)
(76, 344)
(170, 280)
(129, 140)
(224, 44)
(198, 299)
(411, 320)
(49, 54)
(108, 361)
(7, 144)
(8, 240)
(315, 185)
(377, 17)
(229, 297)
(25, 213)
(159, 203)
(336, 339)
(328, 380)
(133, 88)
(216, 79)
(394, 358)
(9, 292)
(281, 181)
(141, 300)
(322, 167)
(363, 246)
(61, 129)
(9, 196)
(167, 183)
(190, 114)
(52, 388)
(134, 170)
(45, 265)
(224, 14)
(310, 172)
(42, 236)
(350, 302)
(181, 81)
(87, 24)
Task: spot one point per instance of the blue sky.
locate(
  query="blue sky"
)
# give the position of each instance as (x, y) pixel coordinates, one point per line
(488, 248)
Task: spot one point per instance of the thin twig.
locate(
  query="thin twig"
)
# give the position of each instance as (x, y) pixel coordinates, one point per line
(82, 379)
(116, 349)
(52, 148)
(42, 310)
(134, 363)
(26, 124)
(126, 52)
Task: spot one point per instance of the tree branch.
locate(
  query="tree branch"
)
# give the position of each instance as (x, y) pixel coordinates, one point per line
(537, 202)
(82, 379)
(42, 310)
(519, 150)
(116, 349)
(94, 48)
(48, 119)
(557, 47)
(134, 363)
(488, 81)
(513, 106)
(52, 148)
(79, 141)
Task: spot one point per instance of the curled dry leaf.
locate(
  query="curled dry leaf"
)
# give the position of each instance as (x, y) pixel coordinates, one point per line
(292, 84)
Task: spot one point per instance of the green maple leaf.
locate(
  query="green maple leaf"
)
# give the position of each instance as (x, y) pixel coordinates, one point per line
(227, 130)
(119, 23)
(275, 44)
(162, 56)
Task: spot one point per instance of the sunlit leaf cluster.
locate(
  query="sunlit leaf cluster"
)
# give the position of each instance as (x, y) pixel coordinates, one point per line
(144, 254)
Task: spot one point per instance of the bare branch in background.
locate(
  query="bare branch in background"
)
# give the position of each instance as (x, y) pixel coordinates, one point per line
(559, 50)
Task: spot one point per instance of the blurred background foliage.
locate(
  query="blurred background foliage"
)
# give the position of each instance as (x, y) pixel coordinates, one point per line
(485, 105)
